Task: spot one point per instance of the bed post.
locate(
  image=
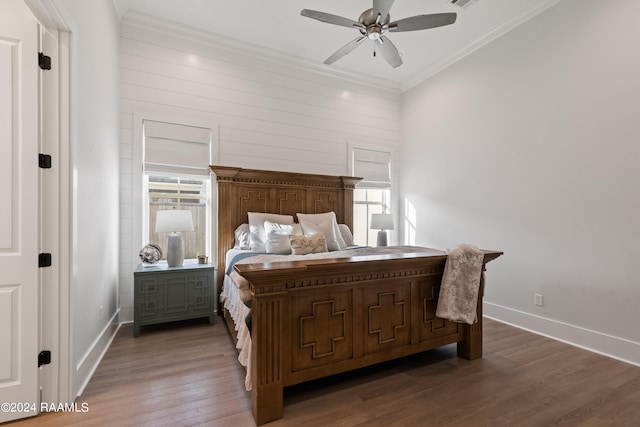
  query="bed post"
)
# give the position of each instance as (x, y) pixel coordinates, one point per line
(267, 370)
(348, 185)
(226, 216)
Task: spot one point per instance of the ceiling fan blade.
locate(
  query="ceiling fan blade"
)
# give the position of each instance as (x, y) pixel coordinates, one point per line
(389, 52)
(423, 22)
(331, 19)
(344, 50)
(382, 8)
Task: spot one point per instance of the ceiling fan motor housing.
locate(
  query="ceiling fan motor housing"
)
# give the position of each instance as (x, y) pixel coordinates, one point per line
(374, 26)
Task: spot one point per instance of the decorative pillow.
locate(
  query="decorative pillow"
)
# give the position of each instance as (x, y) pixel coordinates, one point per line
(242, 237)
(277, 237)
(308, 244)
(323, 223)
(257, 237)
(346, 234)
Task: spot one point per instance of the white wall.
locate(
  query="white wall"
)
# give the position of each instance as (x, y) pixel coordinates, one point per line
(270, 115)
(531, 146)
(16, 9)
(94, 111)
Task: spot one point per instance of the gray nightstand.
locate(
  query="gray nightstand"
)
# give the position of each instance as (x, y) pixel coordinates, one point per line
(166, 294)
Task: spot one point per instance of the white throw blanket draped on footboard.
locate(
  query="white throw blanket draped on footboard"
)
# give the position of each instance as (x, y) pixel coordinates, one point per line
(460, 284)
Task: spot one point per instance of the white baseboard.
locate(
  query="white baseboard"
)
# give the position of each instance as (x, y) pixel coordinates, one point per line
(597, 342)
(89, 363)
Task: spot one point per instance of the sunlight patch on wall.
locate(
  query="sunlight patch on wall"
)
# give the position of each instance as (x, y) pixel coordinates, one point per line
(410, 219)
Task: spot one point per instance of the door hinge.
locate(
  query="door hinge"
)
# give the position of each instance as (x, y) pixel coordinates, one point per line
(44, 358)
(44, 260)
(44, 61)
(44, 161)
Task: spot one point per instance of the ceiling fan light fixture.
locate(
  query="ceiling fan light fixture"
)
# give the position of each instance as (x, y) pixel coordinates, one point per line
(374, 32)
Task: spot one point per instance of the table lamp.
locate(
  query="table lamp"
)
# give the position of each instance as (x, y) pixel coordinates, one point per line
(174, 221)
(382, 222)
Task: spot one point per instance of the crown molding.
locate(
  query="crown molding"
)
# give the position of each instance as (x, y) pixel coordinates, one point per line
(122, 7)
(498, 31)
(217, 41)
(48, 14)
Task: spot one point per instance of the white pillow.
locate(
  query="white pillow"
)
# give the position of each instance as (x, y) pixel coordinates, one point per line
(277, 237)
(308, 244)
(323, 223)
(242, 237)
(257, 238)
(347, 236)
(340, 239)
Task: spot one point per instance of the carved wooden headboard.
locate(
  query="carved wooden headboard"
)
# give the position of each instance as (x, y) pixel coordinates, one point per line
(250, 190)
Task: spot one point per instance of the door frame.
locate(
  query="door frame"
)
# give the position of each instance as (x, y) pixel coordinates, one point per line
(56, 202)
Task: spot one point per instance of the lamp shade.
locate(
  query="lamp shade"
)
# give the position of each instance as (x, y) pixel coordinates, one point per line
(382, 221)
(174, 220)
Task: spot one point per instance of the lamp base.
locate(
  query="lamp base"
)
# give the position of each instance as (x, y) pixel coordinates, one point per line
(382, 238)
(175, 250)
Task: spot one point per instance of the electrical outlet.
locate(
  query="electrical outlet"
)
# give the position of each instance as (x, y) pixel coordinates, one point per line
(538, 300)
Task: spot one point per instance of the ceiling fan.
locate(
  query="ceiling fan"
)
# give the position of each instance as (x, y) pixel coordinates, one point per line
(373, 23)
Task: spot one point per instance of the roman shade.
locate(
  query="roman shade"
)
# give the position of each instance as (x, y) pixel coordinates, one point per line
(175, 148)
(373, 166)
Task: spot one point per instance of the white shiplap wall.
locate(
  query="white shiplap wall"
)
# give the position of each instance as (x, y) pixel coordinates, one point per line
(270, 115)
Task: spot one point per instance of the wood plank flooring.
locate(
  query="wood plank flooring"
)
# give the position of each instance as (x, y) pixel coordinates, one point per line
(189, 376)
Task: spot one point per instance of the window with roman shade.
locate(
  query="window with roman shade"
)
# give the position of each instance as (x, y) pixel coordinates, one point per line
(372, 194)
(176, 159)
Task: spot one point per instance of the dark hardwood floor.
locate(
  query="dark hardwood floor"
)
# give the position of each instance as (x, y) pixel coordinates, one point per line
(189, 375)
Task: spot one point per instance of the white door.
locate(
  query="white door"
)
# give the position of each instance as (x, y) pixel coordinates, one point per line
(19, 308)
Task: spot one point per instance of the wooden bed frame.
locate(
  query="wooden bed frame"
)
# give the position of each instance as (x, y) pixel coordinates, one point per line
(315, 318)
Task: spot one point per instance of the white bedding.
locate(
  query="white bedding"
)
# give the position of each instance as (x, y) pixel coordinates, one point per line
(230, 299)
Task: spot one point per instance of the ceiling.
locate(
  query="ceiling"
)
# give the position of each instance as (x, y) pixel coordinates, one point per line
(276, 27)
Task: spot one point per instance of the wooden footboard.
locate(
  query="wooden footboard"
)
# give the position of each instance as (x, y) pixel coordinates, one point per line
(312, 319)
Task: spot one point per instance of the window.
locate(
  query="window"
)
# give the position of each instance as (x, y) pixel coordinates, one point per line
(372, 194)
(186, 193)
(368, 201)
(176, 159)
